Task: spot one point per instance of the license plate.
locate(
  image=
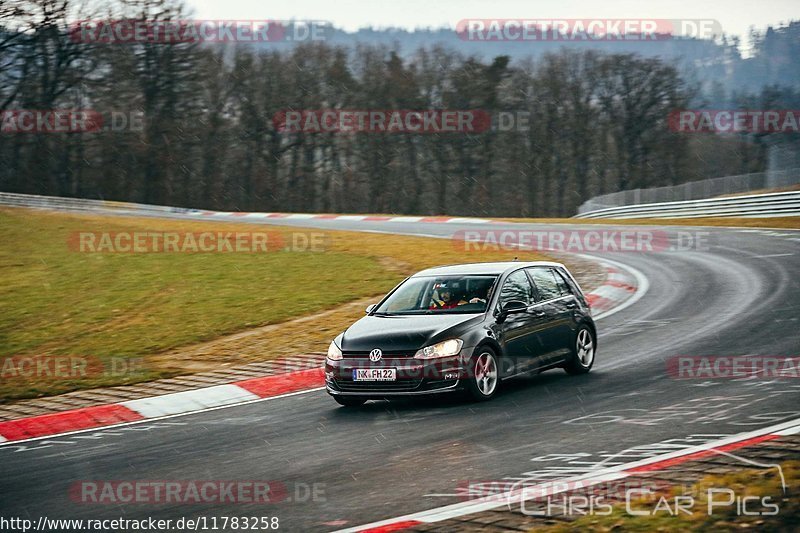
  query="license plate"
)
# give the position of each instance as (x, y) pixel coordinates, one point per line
(374, 374)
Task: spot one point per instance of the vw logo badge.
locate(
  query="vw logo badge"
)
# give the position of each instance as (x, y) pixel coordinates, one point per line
(375, 355)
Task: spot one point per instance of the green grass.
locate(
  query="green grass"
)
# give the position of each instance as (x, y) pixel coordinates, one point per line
(60, 301)
(56, 301)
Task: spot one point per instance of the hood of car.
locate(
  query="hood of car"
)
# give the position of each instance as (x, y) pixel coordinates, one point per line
(402, 333)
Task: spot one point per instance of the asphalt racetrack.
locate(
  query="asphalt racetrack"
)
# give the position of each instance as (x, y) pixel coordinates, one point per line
(342, 467)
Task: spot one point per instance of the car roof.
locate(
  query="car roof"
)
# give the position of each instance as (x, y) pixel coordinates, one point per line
(495, 268)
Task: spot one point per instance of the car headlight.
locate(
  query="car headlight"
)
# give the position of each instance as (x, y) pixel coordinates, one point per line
(446, 348)
(334, 353)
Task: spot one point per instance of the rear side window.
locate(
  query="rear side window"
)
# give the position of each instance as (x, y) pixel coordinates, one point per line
(547, 283)
(563, 286)
(516, 287)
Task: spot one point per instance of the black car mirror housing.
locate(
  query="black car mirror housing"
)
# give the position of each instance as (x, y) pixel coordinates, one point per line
(512, 306)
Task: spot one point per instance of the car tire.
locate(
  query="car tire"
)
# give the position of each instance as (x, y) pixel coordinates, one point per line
(483, 375)
(581, 358)
(350, 401)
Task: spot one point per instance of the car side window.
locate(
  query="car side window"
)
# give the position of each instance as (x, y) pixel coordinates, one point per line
(545, 281)
(516, 287)
(563, 286)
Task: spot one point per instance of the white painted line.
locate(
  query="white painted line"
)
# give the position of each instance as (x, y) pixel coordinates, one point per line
(528, 493)
(769, 430)
(770, 255)
(302, 216)
(191, 400)
(165, 417)
(389, 232)
(548, 487)
(790, 431)
(496, 500)
(355, 218)
(467, 221)
(405, 219)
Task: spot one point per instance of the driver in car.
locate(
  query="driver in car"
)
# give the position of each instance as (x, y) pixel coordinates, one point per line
(446, 300)
(481, 295)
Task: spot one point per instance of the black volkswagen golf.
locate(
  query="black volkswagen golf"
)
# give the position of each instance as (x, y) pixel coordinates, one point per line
(463, 328)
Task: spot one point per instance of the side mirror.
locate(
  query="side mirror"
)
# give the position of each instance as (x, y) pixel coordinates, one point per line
(370, 308)
(512, 306)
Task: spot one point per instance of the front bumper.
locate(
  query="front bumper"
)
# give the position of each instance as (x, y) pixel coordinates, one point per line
(414, 376)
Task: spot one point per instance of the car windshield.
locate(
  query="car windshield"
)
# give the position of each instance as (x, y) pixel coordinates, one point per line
(439, 295)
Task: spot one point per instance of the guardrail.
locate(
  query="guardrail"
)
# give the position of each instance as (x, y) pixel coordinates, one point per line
(82, 204)
(695, 190)
(756, 205)
(759, 205)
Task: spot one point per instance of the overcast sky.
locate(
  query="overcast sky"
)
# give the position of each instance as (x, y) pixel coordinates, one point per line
(735, 16)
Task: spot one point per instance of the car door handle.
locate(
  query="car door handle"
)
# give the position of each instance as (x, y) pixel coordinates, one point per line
(572, 305)
(535, 311)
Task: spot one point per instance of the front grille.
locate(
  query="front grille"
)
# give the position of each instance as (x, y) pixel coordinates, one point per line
(378, 386)
(386, 355)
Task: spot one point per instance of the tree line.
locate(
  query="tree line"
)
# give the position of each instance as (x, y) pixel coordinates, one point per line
(208, 138)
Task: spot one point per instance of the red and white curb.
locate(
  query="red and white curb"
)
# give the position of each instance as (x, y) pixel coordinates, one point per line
(659, 462)
(160, 406)
(623, 285)
(347, 218)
